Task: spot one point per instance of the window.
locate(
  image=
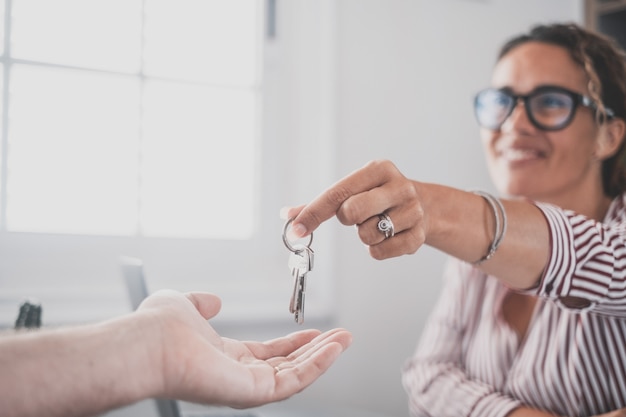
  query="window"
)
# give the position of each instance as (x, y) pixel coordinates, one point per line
(161, 130)
(146, 85)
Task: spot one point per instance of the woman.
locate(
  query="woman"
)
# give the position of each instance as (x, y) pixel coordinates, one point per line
(532, 317)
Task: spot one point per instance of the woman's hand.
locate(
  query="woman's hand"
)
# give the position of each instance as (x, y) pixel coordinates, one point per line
(358, 199)
(459, 223)
(201, 366)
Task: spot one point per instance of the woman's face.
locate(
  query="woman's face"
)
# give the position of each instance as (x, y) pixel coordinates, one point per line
(552, 166)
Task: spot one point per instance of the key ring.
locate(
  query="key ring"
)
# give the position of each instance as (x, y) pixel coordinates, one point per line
(291, 248)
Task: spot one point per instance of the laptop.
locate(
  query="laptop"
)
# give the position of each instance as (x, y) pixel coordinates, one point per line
(137, 288)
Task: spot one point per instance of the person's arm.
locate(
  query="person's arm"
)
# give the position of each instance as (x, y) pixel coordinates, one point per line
(79, 370)
(462, 224)
(567, 257)
(584, 269)
(457, 222)
(164, 349)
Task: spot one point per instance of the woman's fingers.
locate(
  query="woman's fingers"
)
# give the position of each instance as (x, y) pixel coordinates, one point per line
(327, 204)
(377, 192)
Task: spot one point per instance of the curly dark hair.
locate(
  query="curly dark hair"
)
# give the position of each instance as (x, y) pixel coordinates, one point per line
(604, 62)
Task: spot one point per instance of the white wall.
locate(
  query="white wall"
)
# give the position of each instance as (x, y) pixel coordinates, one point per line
(406, 74)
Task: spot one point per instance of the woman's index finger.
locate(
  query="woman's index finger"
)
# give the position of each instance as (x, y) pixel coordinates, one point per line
(325, 205)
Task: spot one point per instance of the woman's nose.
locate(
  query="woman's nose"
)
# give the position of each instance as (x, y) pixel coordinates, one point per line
(518, 119)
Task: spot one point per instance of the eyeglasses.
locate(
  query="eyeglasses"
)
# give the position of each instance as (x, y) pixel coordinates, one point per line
(547, 107)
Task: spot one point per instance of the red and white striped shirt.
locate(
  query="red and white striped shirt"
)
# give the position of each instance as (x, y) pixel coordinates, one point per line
(572, 362)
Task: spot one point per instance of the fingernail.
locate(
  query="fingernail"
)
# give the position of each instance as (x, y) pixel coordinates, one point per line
(298, 230)
(284, 212)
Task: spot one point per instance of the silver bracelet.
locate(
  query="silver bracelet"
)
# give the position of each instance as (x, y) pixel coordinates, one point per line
(500, 229)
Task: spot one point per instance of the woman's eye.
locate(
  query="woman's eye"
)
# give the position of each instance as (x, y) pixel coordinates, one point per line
(553, 101)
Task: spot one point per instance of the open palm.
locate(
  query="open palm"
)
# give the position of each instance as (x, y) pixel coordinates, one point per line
(201, 366)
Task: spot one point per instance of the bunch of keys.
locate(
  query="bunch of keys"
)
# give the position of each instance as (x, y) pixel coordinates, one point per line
(300, 263)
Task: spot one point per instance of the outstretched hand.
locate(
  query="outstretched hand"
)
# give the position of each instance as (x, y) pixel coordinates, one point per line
(358, 199)
(199, 365)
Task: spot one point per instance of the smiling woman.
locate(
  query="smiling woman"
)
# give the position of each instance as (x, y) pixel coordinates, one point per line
(531, 320)
(153, 129)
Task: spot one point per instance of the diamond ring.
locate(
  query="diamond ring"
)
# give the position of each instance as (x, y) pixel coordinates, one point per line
(385, 225)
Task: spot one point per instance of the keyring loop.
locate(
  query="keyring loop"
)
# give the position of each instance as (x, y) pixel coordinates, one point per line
(291, 248)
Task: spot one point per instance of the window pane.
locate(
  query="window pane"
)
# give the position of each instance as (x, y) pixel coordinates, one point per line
(72, 152)
(198, 161)
(103, 34)
(203, 40)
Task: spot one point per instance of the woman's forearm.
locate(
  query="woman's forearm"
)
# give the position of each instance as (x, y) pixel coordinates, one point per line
(462, 224)
(72, 372)
(457, 222)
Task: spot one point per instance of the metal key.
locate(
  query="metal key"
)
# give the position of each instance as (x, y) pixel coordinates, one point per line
(300, 263)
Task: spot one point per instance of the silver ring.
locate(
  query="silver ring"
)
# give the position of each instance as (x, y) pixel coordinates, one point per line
(286, 241)
(385, 225)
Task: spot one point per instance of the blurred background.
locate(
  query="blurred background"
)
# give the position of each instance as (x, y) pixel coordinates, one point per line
(175, 131)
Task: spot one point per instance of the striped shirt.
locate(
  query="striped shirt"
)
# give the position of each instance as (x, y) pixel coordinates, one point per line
(572, 361)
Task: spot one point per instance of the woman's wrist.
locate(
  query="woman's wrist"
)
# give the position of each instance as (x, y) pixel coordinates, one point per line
(452, 218)
(462, 224)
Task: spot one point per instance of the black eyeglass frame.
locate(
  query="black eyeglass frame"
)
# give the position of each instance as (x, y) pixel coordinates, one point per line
(577, 100)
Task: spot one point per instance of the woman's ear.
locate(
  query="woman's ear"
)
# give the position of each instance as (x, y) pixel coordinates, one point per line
(610, 138)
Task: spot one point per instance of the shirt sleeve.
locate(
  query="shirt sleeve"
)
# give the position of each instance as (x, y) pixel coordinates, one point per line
(434, 378)
(586, 269)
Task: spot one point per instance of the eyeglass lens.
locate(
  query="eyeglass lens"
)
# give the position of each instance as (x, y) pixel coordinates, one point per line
(546, 109)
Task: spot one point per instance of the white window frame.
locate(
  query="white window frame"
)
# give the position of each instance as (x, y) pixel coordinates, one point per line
(77, 278)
